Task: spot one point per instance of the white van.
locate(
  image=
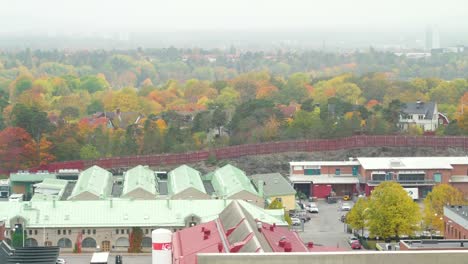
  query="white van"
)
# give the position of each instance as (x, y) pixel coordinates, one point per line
(100, 258)
(16, 197)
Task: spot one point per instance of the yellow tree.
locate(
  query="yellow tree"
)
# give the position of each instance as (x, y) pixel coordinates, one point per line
(357, 217)
(392, 212)
(434, 203)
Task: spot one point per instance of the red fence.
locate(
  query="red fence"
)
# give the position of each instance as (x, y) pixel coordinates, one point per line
(268, 148)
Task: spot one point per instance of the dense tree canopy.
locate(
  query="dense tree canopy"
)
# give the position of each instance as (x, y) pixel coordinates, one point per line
(118, 101)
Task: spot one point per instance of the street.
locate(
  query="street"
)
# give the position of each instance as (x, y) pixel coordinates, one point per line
(325, 228)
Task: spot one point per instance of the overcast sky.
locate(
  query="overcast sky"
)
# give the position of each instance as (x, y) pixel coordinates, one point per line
(170, 15)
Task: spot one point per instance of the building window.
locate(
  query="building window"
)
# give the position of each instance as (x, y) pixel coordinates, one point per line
(69, 232)
(64, 232)
(128, 231)
(337, 171)
(117, 231)
(437, 177)
(30, 232)
(89, 231)
(35, 232)
(311, 171)
(94, 231)
(83, 232)
(58, 232)
(122, 231)
(146, 231)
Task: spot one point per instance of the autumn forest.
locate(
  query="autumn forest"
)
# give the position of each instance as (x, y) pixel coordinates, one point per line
(69, 105)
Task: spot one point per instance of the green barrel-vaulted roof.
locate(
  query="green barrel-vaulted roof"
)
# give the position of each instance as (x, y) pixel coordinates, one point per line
(230, 180)
(184, 177)
(94, 180)
(139, 177)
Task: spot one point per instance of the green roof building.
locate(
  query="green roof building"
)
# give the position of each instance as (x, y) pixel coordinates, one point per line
(231, 183)
(49, 189)
(185, 182)
(108, 223)
(140, 183)
(23, 181)
(93, 184)
(275, 186)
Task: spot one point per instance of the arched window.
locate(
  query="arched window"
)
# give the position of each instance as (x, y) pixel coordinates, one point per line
(122, 242)
(146, 242)
(64, 243)
(88, 243)
(30, 242)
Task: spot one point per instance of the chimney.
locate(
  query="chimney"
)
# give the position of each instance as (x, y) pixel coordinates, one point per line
(111, 203)
(168, 202)
(259, 226)
(282, 242)
(220, 247)
(53, 203)
(310, 244)
(272, 228)
(260, 188)
(287, 247)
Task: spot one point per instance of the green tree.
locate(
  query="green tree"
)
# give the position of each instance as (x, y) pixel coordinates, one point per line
(219, 118)
(392, 212)
(17, 238)
(94, 107)
(306, 124)
(89, 152)
(440, 196)
(277, 204)
(357, 217)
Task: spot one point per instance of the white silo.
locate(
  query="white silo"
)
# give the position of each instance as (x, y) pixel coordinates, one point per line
(162, 246)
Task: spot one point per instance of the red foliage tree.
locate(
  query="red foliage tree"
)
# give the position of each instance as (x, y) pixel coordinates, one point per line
(16, 149)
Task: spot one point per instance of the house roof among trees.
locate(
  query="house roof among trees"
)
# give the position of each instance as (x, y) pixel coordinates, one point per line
(420, 108)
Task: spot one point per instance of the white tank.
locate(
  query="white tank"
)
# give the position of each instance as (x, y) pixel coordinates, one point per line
(162, 246)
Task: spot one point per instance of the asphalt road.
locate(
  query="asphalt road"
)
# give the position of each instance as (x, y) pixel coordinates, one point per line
(325, 228)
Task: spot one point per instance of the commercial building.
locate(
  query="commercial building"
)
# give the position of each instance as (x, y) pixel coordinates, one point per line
(320, 178)
(108, 223)
(434, 244)
(93, 184)
(363, 174)
(230, 182)
(235, 231)
(185, 182)
(139, 183)
(275, 186)
(22, 182)
(4, 188)
(456, 222)
(49, 189)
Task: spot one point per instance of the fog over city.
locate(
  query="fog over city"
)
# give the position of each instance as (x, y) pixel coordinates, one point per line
(211, 23)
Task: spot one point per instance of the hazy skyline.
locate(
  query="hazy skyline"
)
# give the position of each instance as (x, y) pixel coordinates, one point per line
(249, 15)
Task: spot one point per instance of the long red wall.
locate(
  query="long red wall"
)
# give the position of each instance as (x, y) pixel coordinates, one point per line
(267, 148)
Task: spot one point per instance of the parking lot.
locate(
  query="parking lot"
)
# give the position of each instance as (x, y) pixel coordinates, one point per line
(85, 258)
(325, 228)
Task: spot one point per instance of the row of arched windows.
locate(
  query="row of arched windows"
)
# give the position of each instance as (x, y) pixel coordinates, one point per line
(88, 242)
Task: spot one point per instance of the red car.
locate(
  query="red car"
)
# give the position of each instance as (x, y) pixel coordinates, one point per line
(355, 244)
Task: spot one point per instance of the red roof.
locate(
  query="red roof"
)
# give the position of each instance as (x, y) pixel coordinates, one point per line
(273, 234)
(187, 243)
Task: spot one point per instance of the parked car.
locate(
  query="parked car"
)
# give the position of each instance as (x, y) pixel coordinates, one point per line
(331, 199)
(352, 239)
(296, 221)
(312, 208)
(356, 244)
(345, 207)
(61, 261)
